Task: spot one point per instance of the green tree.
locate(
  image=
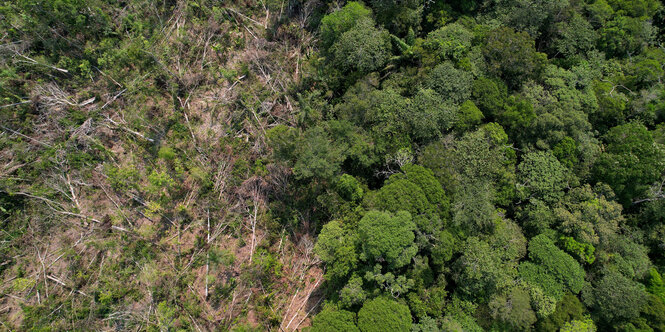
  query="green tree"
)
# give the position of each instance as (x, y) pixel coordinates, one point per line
(490, 95)
(468, 116)
(450, 42)
(383, 314)
(317, 157)
(480, 272)
(335, 24)
(616, 297)
(512, 56)
(430, 186)
(363, 48)
(513, 309)
(451, 83)
(332, 319)
(430, 116)
(632, 161)
(558, 263)
(585, 325)
(568, 309)
(385, 237)
(336, 248)
(541, 177)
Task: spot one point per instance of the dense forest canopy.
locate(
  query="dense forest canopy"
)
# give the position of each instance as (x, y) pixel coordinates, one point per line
(332, 165)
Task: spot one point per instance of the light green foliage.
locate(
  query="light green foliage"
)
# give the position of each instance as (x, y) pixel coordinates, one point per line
(585, 325)
(583, 251)
(542, 177)
(401, 194)
(460, 316)
(426, 324)
(390, 283)
(166, 153)
(363, 48)
(332, 319)
(450, 42)
(159, 181)
(542, 304)
(383, 314)
(538, 276)
(508, 240)
(349, 188)
(337, 249)
(473, 211)
(632, 161)
(165, 316)
(341, 21)
(655, 284)
(589, 216)
(385, 237)
(561, 265)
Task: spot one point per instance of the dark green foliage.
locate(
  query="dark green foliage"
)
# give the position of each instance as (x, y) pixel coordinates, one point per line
(512, 56)
(490, 96)
(451, 83)
(568, 309)
(616, 297)
(383, 314)
(513, 310)
(480, 271)
(418, 165)
(632, 161)
(317, 156)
